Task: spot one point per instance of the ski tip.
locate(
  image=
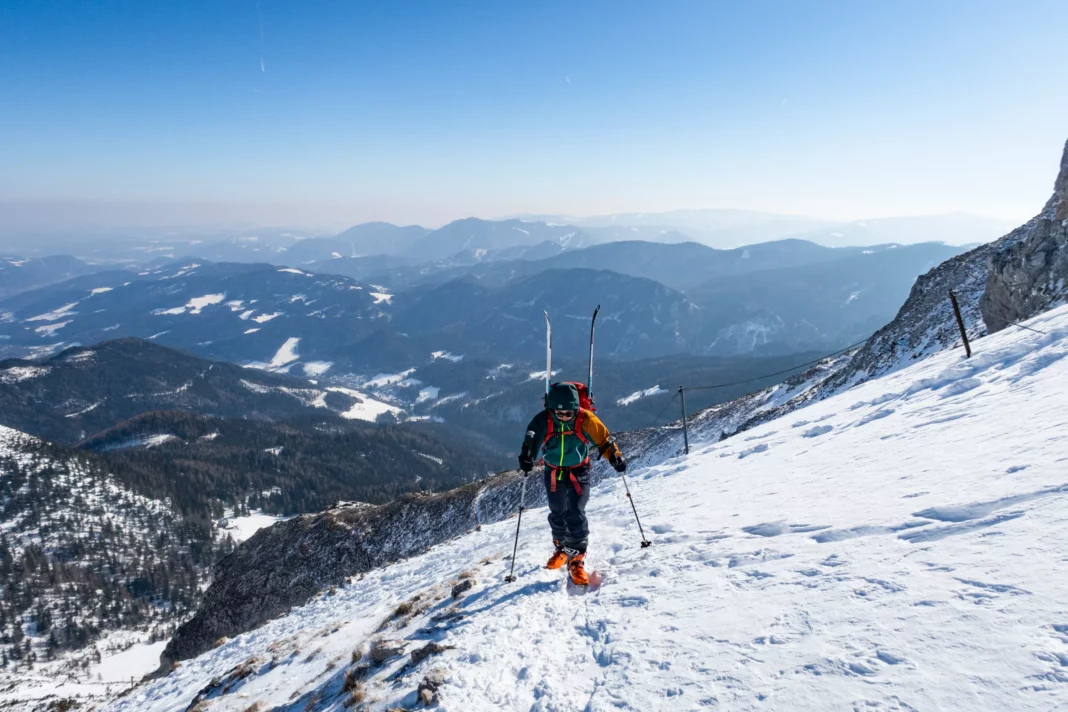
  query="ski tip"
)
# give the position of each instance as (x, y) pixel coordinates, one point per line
(576, 589)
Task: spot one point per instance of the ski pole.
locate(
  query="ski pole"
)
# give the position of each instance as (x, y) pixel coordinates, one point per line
(645, 542)
(522, 498)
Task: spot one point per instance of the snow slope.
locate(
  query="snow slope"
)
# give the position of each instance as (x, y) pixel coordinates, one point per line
(896, 547)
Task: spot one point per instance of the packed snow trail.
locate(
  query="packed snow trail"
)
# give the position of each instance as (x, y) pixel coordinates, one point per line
(897, 547)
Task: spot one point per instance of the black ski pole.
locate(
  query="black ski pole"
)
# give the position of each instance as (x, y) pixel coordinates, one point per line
(522, 498)
(589, 376)
(645, 542)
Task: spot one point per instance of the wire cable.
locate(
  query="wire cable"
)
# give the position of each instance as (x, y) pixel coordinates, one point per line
(779, 373)
(1038, 311)
(664, 410)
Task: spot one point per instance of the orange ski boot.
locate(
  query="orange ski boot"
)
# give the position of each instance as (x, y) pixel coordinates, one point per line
(577, 571)
(558, 559)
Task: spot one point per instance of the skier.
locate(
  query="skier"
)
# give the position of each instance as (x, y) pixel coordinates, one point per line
(566, 431)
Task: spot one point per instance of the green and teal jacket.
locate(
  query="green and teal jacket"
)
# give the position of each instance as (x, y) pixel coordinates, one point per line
(568, 444)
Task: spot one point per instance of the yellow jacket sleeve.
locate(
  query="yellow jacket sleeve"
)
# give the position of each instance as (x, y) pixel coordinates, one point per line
(598, 433)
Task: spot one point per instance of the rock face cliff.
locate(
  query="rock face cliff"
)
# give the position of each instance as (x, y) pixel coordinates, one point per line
(1029, 267)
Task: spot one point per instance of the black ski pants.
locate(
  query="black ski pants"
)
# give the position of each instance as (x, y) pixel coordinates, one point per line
(567, 507)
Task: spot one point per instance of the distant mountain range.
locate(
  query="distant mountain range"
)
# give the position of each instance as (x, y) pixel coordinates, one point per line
(84, 390)
(952, 228)
(470, 238)
(199, 462)
(680, 266)
(771, 298)
(20, 274)
(167, 420)
(377, 238)
(722, 229)
(288, 246)
(735, 228)
(816, 305)
(279, 318)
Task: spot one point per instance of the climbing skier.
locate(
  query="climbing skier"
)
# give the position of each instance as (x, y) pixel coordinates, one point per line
(566, 430)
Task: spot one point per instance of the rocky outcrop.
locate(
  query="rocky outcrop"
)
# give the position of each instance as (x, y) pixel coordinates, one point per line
(1029, 268)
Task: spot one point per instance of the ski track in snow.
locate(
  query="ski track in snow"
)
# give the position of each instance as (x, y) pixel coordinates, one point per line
(907, 556)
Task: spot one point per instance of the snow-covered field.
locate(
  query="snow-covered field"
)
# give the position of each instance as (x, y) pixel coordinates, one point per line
(241, 528)
(131, 664)
(638, 395)
(367, 409)
(897, 547)
(116, 671)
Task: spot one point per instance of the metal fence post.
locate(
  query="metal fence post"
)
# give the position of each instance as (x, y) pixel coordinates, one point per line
(685, 425)
(960, 324)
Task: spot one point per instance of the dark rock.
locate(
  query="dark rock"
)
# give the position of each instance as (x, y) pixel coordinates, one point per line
(427, 650)
(462, 587)
(383, 650)
(1029, 268)
(428, 688)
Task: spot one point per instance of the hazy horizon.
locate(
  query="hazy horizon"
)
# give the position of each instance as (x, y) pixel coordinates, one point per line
(66, 217)
(325, 115)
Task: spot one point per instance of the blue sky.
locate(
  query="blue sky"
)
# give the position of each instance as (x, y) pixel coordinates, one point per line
(426, 111)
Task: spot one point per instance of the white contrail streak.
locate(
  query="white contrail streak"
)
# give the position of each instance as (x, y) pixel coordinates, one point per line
(263, 67)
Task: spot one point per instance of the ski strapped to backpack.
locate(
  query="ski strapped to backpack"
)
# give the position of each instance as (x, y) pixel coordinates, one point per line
(586, 403)
(585, 390)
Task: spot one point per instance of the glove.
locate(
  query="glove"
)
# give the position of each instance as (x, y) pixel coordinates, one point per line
(620, 464)
(526, 463)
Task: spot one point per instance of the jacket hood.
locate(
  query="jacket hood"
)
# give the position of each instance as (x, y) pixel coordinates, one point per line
(562, 396)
